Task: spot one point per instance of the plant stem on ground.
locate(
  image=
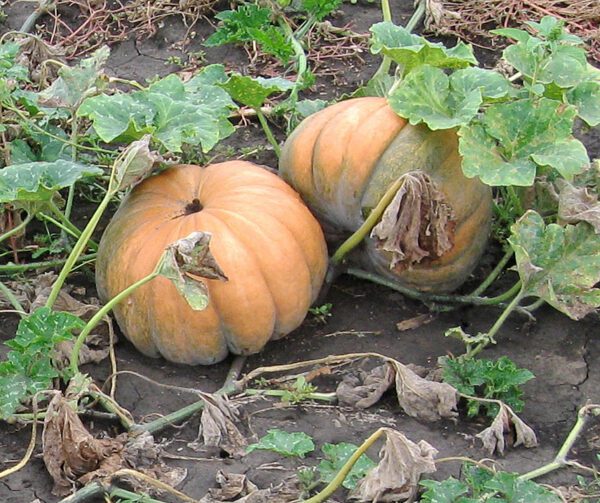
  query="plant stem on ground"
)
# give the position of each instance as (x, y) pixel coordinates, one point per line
(47, 264)
(325, 397)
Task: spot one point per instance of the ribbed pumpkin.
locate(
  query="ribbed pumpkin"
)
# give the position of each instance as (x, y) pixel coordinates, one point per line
(343, 159)
(264, 239)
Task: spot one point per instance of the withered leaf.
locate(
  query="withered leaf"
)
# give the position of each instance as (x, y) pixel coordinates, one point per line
(69, 450)
(217, 426)
(417, 224)
(415, 322)
(365, 388)
(577, 204)
(424, 399)
(493, 436)
(238, 488)
(396, 477)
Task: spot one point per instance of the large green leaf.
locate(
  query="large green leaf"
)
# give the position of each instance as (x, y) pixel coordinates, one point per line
(411, 51)
(511, 139)
(38, 181)
(586, 98)
(558, 264)
(296, 444)
(336, 456)
(426, 95)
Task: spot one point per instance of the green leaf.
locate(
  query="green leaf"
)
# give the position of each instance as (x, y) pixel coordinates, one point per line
(173, 113)
(74, 83)
(253, 92)
(320, 8)
(121, 117)
(336, 455)
(411, 51)
(20, 152)
(38, 181)
(28, 367)
(558, 264)
(586, 98)
(9, 69)
(516, 490)
(445, 491)
(490, 83)
(503, 148)
(236, 23)
(426, 95)
(296, 444)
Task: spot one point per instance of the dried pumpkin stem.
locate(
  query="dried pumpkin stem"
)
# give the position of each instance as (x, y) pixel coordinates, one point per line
(560, 460)
(341, 475)
(363, 231)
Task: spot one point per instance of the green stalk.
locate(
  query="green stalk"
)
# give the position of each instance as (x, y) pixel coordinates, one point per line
(74, 136)
(269, 134)
(324, 397)
(18, 228)
(102, 312)
(560, 460)
(69, 225)
(494, 274)
(47, 264)
(363, 231)
(301, 61)
(494, 330)
(433, 297)
(341, 475)
(11, 297)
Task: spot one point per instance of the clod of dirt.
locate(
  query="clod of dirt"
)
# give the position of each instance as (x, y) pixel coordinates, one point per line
(237, 487)
(365, 388)
(417, 224)
(396, 477)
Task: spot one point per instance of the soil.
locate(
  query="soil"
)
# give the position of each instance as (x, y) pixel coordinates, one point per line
(564, 355)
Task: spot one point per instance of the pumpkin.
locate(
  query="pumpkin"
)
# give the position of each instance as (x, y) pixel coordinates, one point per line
(343, 159)
(264, 239)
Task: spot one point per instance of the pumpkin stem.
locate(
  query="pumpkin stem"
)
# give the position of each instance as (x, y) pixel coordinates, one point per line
(194, 207)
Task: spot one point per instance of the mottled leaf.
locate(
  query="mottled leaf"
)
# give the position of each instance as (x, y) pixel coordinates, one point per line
(514, 489)
(504, 147)
(38, 181)
(396, 477)
(426, 95)
(336, 455)
(586, 98)
(411, 51)
(558, 264)
(490, 83)
(296, 444)
(578, 204)
(188, 260)
(444, 491)
(253, 92)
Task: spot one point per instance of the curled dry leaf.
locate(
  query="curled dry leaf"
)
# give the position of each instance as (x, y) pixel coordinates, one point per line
(186, 261)
(238, 488)
(396, 477)
(365, 388)
(418, 224)
(70, 451)
(493, 436)
(424, 399)
(577, 204)
(415, 322)
(217, 426)
(135, 163)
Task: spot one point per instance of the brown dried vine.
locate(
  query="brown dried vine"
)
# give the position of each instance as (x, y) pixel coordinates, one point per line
(472, 19)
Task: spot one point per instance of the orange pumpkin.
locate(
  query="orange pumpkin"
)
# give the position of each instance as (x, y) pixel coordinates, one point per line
(343, 159)
(265, 240)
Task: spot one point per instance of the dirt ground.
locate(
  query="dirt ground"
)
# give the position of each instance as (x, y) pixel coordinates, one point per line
(564, 355)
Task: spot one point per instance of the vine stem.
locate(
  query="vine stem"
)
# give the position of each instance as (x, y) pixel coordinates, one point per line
(182, 414)
(356, 238)
(324, 397)
(561, 460)
(101, 313)
(496, 326)
(432, 297)
(17, 228)
(73, 138)
(341, 475)
(11, 297)
(47, 264)
(267, 130)
(494, 274)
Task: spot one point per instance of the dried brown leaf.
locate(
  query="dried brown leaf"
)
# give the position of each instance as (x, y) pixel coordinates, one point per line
(217, 426)
(396, 477)
(69, 450)
(238, 488)
(365, 388)
(577, 204)
(424, 399)
(417, 224)
(493, 436)
(415, 322)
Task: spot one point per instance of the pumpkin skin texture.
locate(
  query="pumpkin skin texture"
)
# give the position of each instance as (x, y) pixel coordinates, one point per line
(343, 159)
(264, 238)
